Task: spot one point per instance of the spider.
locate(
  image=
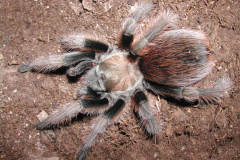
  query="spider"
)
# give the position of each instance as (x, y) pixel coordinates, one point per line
(163, 59)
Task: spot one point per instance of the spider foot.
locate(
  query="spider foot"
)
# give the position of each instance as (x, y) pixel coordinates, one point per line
(23, 68)
(209, 95)
(61, 117)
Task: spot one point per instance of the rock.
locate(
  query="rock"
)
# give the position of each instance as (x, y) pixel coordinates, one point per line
(42, 115)
(76, 7)
(1, 56)
(13, 62)
(98, 7)
(89, 5)
(169, 130)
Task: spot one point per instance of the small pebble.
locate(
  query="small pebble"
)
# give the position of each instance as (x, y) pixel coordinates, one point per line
(42, 115)
(1, 56)
(13, 62)
(155, 155)
(219, 68)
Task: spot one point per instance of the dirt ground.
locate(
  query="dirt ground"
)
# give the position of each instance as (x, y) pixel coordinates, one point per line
(32, 28)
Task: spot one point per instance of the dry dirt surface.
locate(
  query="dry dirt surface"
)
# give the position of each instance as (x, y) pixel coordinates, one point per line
(32, 28)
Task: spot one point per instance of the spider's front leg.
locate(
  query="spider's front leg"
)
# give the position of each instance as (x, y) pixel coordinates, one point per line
(100, 126)
(145, 113)
(78, 44)
(82, 42)
(57, 61)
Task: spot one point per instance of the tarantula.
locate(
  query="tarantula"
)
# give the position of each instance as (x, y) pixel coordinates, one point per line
(165, 60)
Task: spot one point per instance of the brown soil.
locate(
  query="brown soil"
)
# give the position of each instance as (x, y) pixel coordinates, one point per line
(32, 28)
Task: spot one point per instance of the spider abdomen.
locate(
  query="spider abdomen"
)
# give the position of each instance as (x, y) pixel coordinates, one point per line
(176, 58)
(118, 73)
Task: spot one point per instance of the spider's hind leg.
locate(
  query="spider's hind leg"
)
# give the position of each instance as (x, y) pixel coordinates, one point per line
(131, 23)
(163, 22)
(208, 95)
(192, 94)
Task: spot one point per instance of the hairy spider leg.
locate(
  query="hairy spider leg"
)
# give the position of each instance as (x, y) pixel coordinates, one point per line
(81, 42)
(145, 113)
(72, 110)
(80, 68)
(131, 23)
(163, 22)
(57, 61)
(209, 95)
(87, 92)
(99, 127)
(192, 94)
(160, 89)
